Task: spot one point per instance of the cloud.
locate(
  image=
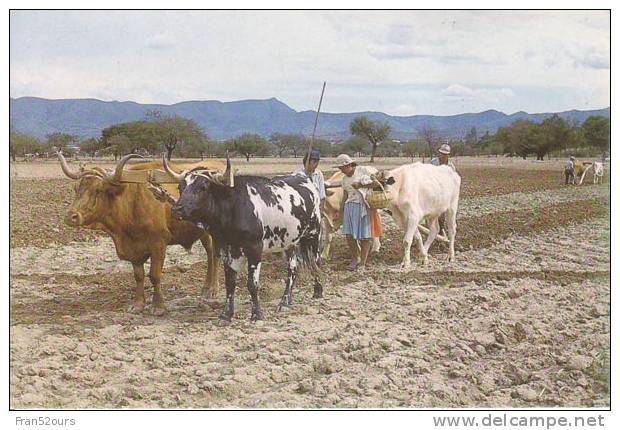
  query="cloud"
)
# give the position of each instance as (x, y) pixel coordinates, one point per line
(159, 42)
(462, 91)
(435, 62)
(399, 51)
(593, 59)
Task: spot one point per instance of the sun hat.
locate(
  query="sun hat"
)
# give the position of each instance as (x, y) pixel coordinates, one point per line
(344, 160)
(444, 149)
(572, 157)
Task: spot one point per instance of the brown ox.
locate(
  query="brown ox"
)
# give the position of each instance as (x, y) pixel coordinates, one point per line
(332, 215)
(141, 226)
(580, 170)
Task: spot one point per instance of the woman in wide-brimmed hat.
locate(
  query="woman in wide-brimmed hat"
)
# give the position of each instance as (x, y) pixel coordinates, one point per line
(356, 223)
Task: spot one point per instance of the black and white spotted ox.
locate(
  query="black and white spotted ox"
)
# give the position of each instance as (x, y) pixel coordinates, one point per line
(248, 216)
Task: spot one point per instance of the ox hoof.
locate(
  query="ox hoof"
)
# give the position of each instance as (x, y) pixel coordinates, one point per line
(159, 310)
(317, 295)
(209, 293)
(257, 316)
(283, 307)
(224, 322)
(136, 308)
(204, 302)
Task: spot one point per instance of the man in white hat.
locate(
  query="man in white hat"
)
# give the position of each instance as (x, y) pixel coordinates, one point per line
(569, 171)
(443, 157)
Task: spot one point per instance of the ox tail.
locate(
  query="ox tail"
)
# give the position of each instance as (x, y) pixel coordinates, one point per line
(308, 252)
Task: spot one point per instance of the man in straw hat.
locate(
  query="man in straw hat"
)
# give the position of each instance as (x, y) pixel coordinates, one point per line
(443, 157)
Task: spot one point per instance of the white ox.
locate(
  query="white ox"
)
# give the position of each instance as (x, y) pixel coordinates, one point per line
(423, 192)
(598, 172)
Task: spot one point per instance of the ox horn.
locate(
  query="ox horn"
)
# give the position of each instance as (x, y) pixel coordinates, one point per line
(177, 176)
(65, 167)
(118, 172)
(229, 176)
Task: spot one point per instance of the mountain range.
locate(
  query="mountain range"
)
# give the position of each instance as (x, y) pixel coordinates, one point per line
(223, 120)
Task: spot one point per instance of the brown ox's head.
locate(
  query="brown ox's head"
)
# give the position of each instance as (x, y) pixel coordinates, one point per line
(95, 188)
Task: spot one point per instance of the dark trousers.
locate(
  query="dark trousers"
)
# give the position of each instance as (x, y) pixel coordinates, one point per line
(569, 175)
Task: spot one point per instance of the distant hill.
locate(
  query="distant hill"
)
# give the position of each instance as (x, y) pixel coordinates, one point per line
(222, 120)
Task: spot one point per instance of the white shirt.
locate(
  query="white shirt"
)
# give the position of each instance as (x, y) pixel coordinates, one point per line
(435, 162)
(360, 175)
(317, 179)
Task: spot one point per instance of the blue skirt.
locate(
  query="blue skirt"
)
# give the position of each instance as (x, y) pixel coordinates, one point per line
(356, 222)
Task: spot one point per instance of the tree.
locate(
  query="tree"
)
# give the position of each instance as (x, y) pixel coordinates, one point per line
(519, 138)
(215, 149)
(458, 147)
(90, 146)
(489, 145)
(389, 148)
(177, 131)
(596, 132)
(553, 133)
(21, 144)
(413, 148)
(249, 144)
(471, 141)
(299, 145)
(141, 135)
(431, 138)
(119, 144)
(355, 145)
(323, 146)
(374, 131)
(282, 142)
(61, 142)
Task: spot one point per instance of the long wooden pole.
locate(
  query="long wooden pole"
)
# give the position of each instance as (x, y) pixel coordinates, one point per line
(316, 121)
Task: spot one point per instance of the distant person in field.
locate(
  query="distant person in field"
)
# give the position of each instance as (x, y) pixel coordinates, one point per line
(310, 168)
(569, 171)
(443, 157)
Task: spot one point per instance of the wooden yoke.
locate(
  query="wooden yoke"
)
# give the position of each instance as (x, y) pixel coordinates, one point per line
(153, 179)
(145, 176)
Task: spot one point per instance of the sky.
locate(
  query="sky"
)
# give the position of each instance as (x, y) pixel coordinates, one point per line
(397, 62)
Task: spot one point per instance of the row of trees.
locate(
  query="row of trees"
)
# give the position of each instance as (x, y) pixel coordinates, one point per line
(553, 136)
(183, 137)
(21, 144)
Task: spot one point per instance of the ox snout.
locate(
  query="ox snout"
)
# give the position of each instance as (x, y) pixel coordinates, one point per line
(74, 219)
